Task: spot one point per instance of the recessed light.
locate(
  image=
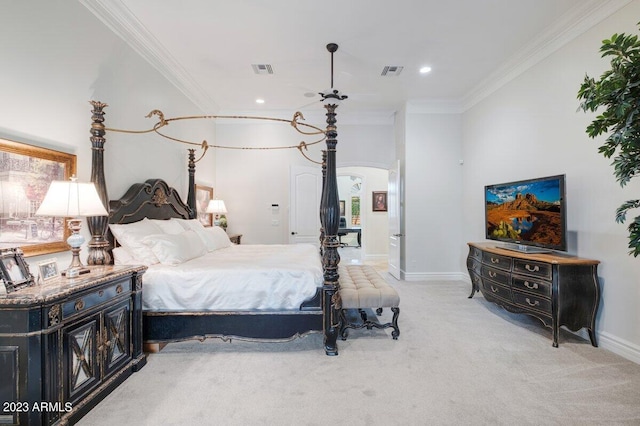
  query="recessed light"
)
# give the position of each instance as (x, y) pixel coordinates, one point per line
(259, 101)
(425, 70)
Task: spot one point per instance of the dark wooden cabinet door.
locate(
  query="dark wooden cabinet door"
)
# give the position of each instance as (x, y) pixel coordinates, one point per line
(115, 345)
(81, 364)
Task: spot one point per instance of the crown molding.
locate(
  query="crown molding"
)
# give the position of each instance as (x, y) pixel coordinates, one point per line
(119, 19)
(570, 26)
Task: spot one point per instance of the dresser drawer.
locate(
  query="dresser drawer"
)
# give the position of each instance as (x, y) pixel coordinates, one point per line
(475, 253)
(532, 285)
(496, 275)
(87, 301)
(474, 266)
(496, 290)
(535, 269)
(496, 261)
(530, 301)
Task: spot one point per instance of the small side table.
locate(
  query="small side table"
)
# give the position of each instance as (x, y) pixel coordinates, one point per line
(235, 238)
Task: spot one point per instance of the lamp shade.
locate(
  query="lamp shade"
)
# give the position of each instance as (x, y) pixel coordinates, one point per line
(217, 207)
(71, 198)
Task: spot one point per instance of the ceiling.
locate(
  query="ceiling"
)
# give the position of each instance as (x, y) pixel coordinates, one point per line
(207, 47)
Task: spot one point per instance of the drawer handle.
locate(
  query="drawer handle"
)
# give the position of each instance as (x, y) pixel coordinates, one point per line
(79, 305)
(495, 260)
(495, 289)
(492, 274)
(119, 289)
(534, 286)
(530, 268)
(536, 303)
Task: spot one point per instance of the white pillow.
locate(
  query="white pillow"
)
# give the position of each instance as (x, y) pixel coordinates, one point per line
(196, 226)
(122, 257)
(217, 238)
(168, 226)
(187, 224)
(173, 249)
(130, 237)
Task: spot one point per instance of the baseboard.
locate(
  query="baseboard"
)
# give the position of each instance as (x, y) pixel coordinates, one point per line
(619, 346)
(433, 276)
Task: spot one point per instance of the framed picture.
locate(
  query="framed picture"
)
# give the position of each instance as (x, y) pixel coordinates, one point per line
(14, 271)
(26, 172)
(379, 201)
(343, 208)
(204, 194)
(48, 269)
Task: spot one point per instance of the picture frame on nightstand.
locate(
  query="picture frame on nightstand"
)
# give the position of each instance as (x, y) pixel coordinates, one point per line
(48, 270)
(14, 271)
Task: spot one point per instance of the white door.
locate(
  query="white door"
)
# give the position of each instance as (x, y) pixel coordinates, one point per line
(305, 193)
(393, 207)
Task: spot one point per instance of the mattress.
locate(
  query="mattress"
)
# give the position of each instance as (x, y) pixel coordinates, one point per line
(260, 277)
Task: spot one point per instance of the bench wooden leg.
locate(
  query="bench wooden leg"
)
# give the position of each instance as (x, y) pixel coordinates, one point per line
(346, 325)
(394, 323)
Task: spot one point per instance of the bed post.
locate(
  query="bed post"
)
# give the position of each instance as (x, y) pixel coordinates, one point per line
(329, 216)
(98, 245)
(191, 195)
(324, 178)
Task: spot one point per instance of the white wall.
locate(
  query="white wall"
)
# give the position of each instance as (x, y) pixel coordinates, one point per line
(56, 56)
(433, 204)
(531, 128)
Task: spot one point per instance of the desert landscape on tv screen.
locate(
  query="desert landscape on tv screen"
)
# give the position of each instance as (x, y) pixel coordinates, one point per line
(525, 212)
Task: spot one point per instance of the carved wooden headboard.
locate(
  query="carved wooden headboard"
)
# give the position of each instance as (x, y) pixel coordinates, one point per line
(153, 199)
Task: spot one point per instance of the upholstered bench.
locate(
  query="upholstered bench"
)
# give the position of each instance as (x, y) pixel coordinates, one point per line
(361, 287)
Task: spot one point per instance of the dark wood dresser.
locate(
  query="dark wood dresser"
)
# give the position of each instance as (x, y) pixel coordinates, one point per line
(66, 344)
(557, 289)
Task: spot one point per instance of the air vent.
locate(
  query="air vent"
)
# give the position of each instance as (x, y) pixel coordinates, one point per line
(262, 69)
(392, 70)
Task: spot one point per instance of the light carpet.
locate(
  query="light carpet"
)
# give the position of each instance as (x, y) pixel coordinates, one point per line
(458, 361)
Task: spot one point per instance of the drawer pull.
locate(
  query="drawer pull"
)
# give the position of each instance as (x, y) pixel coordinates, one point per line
(492, 274)
(530, 268)
(101, 293)
(495, 260)
(536, 303)
(79, 305)
(119, 289)
(533, 286)
(495, 289)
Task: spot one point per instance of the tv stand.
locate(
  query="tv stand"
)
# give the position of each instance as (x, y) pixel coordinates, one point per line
(558, 290)
(523, 248)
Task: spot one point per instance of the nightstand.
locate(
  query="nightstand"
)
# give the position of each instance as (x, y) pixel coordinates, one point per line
(68, 343)
(235, 238)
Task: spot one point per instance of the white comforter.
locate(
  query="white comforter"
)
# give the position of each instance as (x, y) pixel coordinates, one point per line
(236, 278)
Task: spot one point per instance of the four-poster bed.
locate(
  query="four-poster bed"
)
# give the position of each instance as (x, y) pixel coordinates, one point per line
(154, 199)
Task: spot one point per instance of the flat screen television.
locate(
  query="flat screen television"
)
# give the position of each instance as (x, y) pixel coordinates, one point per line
(527, 215)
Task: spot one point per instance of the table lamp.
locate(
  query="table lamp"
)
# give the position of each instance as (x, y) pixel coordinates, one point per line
(72, 199)
(218, 208)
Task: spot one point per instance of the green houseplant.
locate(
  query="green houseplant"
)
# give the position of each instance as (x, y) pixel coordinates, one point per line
(617, 96)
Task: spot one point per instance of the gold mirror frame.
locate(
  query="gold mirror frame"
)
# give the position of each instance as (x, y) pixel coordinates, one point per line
(39, 181)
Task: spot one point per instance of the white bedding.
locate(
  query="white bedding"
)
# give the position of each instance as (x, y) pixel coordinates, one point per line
(236, 278)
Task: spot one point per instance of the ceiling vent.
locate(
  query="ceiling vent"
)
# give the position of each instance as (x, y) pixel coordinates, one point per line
(392, 71)
(262, 69)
